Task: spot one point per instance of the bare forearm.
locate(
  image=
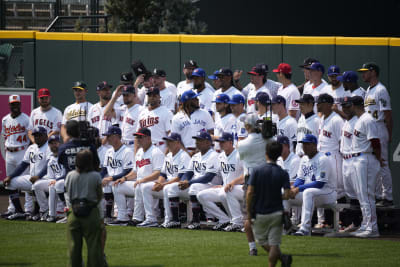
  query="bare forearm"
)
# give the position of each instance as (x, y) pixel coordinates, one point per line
(151, 177)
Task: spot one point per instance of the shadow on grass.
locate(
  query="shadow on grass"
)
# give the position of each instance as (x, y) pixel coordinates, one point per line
(15, 264)
(318, 255)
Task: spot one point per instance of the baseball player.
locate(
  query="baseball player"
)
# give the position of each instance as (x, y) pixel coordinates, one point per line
(126, 78)
(263, 104)
(146, 80)
(231, 168)
(377, 103)
(215, 81)
(288, 90)
(47, 116)
(201, 174)
(286, 125)
(186, 84)
(156, 117)
(307, 86)
(206, 94)
(118, 162)
(148, 164)
(349, 80)
(237, 106)
(315, 183)
(191, 119)
(308, 122)
(36, 158)
(226, 121)
(316, 72)
(168, 95)
(77, 111)
(366, 157)
(14, 131)
(175, 164)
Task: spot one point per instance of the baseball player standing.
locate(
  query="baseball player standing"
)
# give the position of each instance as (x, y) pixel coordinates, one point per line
(349, 80)
(126, 78)
(377, 103)
(205, 94)
(316, 72)
(186, 84)
(307, 83)
(226, 121)
(237, 106)
(168, 95)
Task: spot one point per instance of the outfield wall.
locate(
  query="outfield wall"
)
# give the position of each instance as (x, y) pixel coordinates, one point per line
(56, 60)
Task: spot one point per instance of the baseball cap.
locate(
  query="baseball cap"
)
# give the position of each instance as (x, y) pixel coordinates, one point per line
(308, 61)
(79, 85)
(306, 98)
(357, 100)
(369, 66)
(214, 76)
(152, 90)
(187, 95)
(259, 69)
(159, 72)
(333, 70)
(143, 132)
(279, 99)
(225, 137)
(284, 68)
(14, 98)
(316, 66)
(309, 138)
(128, 89)
(39, 130)
(347, 101)
(203, 135)
(54, 138)
(283, 140)
(113, 130)
(263, 97)
(199, 72)
(191, 64)
(237, 99)
(251, 119)
(43, 92)
(325, 98)
(126, 77)
(173, 137)
(222, 98)
(224, 72)
(103, 85)
(348, 76)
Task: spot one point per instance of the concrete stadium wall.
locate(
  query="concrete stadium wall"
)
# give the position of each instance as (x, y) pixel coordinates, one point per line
(56, 60)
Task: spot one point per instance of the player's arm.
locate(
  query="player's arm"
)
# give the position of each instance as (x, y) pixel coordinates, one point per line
(30, 136)
(389, 122)
(153, 176)
(108, 110)
(18, 171)
(249, 201)
(64, 134)
(237, 181)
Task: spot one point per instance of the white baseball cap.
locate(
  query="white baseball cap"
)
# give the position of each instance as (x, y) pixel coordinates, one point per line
(14, 98)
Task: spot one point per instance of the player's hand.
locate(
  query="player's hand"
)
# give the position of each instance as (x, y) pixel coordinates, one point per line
(139, 81)
(52, 182)
(335, 108)
(136, 183)
(157, 187)
(7, 181)
(217, 186)
(106, 180)
(228, 187)
(33, 179)
(237, 74)
(118, 90)
(183, 184)
(119, 181)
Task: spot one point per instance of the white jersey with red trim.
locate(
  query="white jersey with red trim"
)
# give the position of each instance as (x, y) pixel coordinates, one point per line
(97, 119)
(230, 167)
(201, 164)
(128, 118)
(365, 129)
(251, 102)
(77, 112)
(157, 120)
(347, 136)
(50, 119)
(377, 100)
(308, 87)
(330, 129)
(167, 98)
(175, 164)
(291, 94)
(146, 162)
(118, 161)
(15, 130)
(37, 158)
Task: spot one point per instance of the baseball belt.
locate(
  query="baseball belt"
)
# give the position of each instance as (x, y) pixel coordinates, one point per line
(15, 149)
(346, 156)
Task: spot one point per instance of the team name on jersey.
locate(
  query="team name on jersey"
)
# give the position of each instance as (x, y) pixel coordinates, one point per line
(76, 113)
(150, 121)
(304, 130)
(200, 122)
(199, 166)
(369, 102)
(114, 163)
(171, 168)
(327, 134)
(226, 168)
(143, 162)
(33, 158)
(357, 133)
(129, 120)
(75, 150)
(308, 170)
(347, 134)
(14, 129)
(44, 122)
(55, 168)
(183, 125)
(251, 102)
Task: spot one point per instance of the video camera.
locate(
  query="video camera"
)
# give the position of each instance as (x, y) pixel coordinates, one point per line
(88, 134)
(268, 128)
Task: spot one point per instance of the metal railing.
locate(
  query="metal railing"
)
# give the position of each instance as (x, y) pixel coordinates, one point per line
(94, 23)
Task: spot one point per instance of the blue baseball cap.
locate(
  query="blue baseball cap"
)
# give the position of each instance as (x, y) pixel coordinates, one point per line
(237, 99)
(225, 137)
(187, 95)
(263, 97)
(128, 89)
(279, 99)
(113, 130)
(333, 70)
(214, 76)
(199, 72)
(173, 137)
(348, 76)
(103, 85)
(282, 139)
(203, 135)
(143, 132)
(54, 138)
(309, 138)
(316, 66)
(222, 98)
(39, 130)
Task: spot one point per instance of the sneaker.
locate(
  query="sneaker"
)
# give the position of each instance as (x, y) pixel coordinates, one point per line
(220, 226)
(173, 224)
(5, 215)
(253, 252)
(36, 217)
(379, 202)
(193, 226)
(118, 223)
(349, 229)
(63, 220)
(286, 260)
(319, 226)
(359, 230)
(147, 224)
(233, 228)
(301, 233)
(367, 234)
(134, 222)
(387, 203)
(44, 216)
(51, 219)
(243, 230)
(16, 216)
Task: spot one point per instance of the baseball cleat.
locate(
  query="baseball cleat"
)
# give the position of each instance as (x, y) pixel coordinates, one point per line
(253, 252)
(349, 229)
(220, 226)
(6, 214)
(118, 223)
(286, 260)
(134, 222)
(63, 220)
(36, 217)
(367, 234)
(301, 233)
(193, 226)
(147, 224)
(173, 224)
(44, 216)
(51, 219)
(16, 216)
(233, 227)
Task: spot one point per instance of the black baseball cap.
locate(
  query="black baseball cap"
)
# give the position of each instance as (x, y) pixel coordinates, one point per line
(143, 132)
(369, 66)
(259, 69)
(113, 130)
(347, 101)
(54, 137)
(79, 85)
(225, 72)
(307, 62)
(39, 130)
(173, 137)
(306, 98)
(152, 90)
(325, 98)
(203, 135)
(103, 85)
(159, 72)
(225, 137)
(357, 100)
(126, 77)
(128, 89)
(278, 100)
(283, 140)
(191, 64)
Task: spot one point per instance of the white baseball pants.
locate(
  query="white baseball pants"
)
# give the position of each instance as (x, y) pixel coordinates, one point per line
(24, 184)
(41, 187)
(121, 191)
(208, 199)
(348, 179)
(384, 179)
(55, 189)
(12, 160)
(233, 199)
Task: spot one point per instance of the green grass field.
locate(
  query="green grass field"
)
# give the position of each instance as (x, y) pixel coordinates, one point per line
(44, 244)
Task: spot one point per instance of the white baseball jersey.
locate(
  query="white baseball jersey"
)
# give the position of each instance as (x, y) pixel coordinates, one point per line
(15, 130)
(77, 112)
(224, 124)
(201, 164)
(205, 98)
(231, 167)
(50, 119)
(167, 98)
(146, 162)
(315, 92)
(338, 94)
(230, 92)
(54, 169)
(291, 94)
(377, 100)
(290, 165)
(329, 133)
(175, 164)
(271, 85)
(184, 86)
(157, 120)
(37, 158)
(275, 117)
(239, 129)
(319, 168)
(118, 161)
(129, 122)
(141, 93)
(347, 136)
(306, 126)
(365, 129)
(288, 127)
(187, 127)
(359, 92)
(172, 87)
(308, 87)
(97, 118)
(101, 152)
(251, 102)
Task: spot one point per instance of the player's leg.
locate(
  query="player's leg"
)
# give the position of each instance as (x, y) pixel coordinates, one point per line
(338, 167)
(18, 183)
(167, 205)
(40, 188)
(174, 193)
(233, 199)
(52, 203)
(208, 199)
(384, 181)
(120, 193)
(138, 213)
(194, 189)
(109, 199)
(149, 203)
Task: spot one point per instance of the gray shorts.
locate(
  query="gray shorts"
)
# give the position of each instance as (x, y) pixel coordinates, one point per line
(267, 228)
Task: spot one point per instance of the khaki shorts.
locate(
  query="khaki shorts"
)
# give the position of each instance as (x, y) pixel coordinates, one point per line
(267, 228)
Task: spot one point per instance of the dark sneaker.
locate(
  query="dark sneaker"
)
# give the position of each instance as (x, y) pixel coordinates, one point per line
(118, 223)
(134, 222)
(173, 224)
(301, 233)
(286, 260)
(387, 203)
(233, 228)
(220, 226)
(16, 216)
(253, 252)
(6, 214)
(193, 226)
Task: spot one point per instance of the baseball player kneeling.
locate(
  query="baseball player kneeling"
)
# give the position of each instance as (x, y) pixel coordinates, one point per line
(315, 184)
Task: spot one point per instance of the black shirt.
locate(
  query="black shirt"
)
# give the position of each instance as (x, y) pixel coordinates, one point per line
(268, 181)
(67, 153)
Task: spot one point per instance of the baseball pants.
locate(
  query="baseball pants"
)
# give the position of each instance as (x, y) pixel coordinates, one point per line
(13, 159)
(24, 184)
(41, 187)
(366, 171)
(193, 190)
(208, 199)
(55, 189)
(151, 208)
(348, 179)
(124, 190)
(233, 199)
(384, 179)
